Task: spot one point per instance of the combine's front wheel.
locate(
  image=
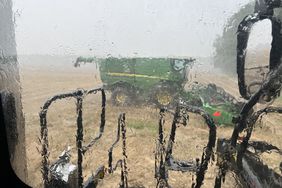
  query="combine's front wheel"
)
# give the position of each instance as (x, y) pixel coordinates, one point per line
(163, 96)
(121, 97)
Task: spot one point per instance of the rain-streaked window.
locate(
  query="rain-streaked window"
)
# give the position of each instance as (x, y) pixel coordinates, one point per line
(143, 93)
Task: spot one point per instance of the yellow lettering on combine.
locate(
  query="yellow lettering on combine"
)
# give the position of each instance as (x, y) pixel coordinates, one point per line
(135, 75)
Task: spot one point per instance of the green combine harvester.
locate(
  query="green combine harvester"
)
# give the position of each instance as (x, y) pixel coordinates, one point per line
(159, 81)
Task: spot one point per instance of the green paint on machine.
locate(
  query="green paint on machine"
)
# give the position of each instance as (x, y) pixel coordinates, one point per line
(160, 81)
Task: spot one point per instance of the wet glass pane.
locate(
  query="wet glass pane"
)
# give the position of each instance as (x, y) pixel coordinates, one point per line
(150, 93)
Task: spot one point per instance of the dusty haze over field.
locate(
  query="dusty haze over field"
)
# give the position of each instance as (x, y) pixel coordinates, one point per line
(126, 27)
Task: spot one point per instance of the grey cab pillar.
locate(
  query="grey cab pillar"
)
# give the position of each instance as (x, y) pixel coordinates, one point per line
(10, 91)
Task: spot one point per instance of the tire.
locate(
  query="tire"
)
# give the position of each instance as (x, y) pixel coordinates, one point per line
(163, 96)
(121, 97)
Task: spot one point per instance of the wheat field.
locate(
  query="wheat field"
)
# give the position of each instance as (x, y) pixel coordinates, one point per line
(40, 81)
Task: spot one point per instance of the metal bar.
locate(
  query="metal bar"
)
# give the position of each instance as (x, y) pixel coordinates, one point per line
(44, 129)
(252, 172)
(243, 162)
(102, 123)
(79, 140)
(110, 151)
(208, 150)
(124, 160)
(44, 150)
(208, 120)
(169, 163)
(225, 162)
(172, 134)
(274, 77)
(250, 126)
(121, 162)
(161, 170)
(94, 181)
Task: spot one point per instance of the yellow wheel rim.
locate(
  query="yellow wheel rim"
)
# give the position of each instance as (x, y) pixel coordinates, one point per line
(164, 98)
(120, 98)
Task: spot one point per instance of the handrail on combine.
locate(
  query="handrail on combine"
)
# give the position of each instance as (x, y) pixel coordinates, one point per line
(78, 95)
(164, 154)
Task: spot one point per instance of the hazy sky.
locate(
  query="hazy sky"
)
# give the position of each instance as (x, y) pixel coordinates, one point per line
(121, 27)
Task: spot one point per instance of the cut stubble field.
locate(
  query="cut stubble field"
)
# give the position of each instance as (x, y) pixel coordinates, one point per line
(42, 82)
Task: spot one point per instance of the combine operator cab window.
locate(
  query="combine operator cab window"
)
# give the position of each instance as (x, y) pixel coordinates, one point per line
(108, 93)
